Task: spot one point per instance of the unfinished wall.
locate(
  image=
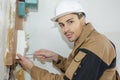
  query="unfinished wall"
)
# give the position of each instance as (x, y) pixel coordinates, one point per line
(7, 11)
(2, 37)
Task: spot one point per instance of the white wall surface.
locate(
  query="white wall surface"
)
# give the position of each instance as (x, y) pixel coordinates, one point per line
(103, 14)
(3, 9)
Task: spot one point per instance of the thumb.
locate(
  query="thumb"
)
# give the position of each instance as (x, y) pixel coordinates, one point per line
(20, 56)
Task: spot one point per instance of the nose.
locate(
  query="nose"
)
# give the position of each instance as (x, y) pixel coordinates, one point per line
(66, 29)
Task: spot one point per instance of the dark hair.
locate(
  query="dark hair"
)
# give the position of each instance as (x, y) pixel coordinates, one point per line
(80, 14)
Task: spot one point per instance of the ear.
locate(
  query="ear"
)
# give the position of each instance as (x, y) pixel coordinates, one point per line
(82, 20)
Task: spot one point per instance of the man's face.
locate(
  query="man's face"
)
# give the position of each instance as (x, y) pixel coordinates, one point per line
(71, 26)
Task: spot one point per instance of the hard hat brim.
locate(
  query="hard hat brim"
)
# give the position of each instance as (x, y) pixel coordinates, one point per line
(61, 15)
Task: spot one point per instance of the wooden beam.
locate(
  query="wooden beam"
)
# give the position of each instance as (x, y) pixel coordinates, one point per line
(18, 20)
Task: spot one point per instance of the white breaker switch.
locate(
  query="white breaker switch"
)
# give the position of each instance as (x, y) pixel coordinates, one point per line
(21, 42)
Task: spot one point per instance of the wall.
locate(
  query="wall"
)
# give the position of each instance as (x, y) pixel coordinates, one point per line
(2, 37)
(7, 17)
(113, 36)
(103, 14)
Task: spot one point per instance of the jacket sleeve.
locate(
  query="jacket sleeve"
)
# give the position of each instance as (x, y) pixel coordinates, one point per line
(41, 74)
(60, 64)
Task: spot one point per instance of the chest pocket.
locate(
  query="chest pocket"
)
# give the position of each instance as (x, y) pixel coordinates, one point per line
(74, 65)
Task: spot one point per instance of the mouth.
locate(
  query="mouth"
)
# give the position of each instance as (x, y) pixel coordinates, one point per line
(69, 35)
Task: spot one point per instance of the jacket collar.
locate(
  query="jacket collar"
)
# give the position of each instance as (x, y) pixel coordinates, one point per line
(87, 30)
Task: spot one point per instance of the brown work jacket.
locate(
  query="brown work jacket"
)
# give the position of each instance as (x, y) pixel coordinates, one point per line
(90, 40)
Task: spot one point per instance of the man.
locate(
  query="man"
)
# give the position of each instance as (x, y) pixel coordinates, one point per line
(92, 58)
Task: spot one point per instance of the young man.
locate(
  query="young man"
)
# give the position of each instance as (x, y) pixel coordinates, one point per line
(92, 58)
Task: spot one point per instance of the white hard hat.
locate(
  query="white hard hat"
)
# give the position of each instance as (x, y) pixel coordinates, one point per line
(66, 7)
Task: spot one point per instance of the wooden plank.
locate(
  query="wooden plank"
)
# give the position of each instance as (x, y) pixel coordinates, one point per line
(18, 20)
(18, 26)
(8, 58)
(20, 75)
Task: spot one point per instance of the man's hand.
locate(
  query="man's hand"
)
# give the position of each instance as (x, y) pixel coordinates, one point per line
(25, 62)
(46, 55)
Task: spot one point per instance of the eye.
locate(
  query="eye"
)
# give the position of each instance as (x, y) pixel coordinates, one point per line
(61, 25)
(70, 22)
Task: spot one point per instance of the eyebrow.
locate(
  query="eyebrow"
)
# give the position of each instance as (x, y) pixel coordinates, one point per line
(69, 19)
(66, 21)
